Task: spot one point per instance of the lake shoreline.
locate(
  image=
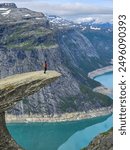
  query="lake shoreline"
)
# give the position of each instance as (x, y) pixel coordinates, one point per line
(101, 89)
(59, 118)
(100, 71)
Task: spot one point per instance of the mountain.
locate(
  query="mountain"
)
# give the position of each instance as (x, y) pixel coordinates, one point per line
(7, 5)
(105, 21)
(97, 26)
(102, 40)
(99, 34)
(27, 39)
(59, 22)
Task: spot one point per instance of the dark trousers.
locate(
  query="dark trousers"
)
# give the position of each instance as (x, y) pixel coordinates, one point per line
(45, 69)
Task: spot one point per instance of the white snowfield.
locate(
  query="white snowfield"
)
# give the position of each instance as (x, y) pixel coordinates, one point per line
(94, 28)
(4, 11)
(38, 18)
(27, 15)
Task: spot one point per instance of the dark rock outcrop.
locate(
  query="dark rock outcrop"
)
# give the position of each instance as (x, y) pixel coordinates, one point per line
(8, 5)
(102, 142)
(6, 141)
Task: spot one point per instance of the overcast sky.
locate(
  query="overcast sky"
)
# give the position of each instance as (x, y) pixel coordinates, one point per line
(70, 9)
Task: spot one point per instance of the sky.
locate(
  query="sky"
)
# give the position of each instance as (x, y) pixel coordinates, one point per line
(78, 10)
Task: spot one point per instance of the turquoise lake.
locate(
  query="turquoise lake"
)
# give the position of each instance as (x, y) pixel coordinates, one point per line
(106, 79)
(64, 135)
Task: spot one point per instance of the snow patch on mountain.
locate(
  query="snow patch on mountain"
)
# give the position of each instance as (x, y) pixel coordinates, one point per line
(3, 9)
(27, 15)
(94, 28)
(86, 19)
(59, 21)
(6, 12)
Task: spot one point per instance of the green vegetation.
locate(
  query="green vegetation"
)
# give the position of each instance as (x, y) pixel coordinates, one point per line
(46, 46)
(21, 33)
(107, 132)
(28, 45)
(88, 96)
(83, 149)
(95, 97)
(29, 37)
(106, 141)
(25, 101)
(42, 32)
(79, 73)
(68, 103)
(23, 45)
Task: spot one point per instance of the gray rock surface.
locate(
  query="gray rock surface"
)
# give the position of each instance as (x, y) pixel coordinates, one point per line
(8, 5)
(6, 141)
(12, 90)
(102, 142)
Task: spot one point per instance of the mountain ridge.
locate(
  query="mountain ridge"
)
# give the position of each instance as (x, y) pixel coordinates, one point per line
(8, 5)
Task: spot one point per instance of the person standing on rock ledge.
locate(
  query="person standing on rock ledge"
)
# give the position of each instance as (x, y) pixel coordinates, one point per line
(45, 66)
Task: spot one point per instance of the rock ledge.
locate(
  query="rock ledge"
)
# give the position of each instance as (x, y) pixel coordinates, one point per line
(13, 89)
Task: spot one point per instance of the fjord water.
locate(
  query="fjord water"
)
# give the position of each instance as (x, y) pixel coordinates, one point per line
(83, 137)
(64, 135)
(48, 136)
(106, 79)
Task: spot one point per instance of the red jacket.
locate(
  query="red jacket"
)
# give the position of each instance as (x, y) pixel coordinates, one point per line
(46, 65)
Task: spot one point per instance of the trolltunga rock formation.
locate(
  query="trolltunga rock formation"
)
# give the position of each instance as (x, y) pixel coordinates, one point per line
(12, 90)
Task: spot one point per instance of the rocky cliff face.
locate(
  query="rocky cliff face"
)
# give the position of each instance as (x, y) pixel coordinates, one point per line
(102, 40)
(7, 5)
(12, 90)
(102, 142)
(6, 141)
(27, 40)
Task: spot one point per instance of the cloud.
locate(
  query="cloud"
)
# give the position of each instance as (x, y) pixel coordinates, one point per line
(69, 8)
(95, 19)
(85, 19)
(15, 1)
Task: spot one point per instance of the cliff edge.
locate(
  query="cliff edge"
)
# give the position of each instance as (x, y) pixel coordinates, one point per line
(13, 89)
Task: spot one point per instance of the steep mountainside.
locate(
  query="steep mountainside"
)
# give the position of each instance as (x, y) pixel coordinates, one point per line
(102, 40)
(27, 40)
